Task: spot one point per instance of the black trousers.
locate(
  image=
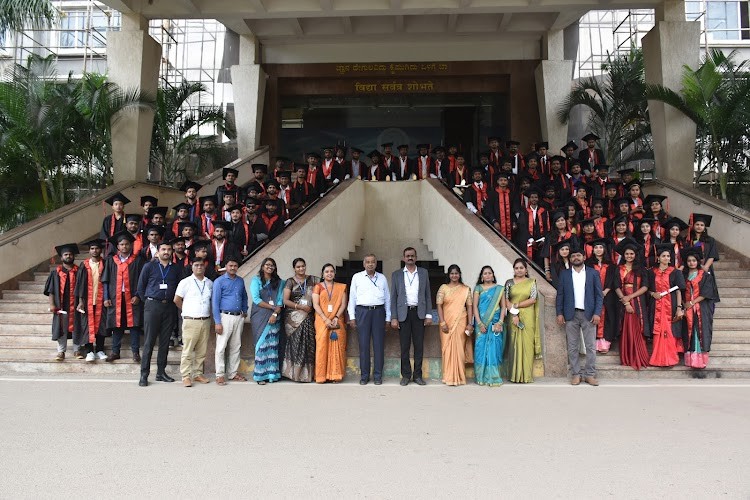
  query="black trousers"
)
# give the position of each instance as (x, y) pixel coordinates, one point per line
(371, 326)
(158, 322)
(411, 332)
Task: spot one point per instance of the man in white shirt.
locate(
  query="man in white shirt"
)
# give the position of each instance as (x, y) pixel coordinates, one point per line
(193, 298)
(370, 310)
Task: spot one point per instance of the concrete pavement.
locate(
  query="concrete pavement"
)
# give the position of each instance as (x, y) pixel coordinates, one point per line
(111, 438)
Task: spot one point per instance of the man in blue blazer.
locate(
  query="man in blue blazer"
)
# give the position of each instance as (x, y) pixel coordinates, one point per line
(579, 306)
(411, 304)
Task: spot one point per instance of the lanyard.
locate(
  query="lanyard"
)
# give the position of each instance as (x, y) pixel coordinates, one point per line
(200, 289)
(302, 286)
(164, 273)
(375, 281)
(330, 294)
(411, 281)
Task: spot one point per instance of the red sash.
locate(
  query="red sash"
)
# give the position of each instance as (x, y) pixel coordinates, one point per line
(503, 201)
(94, 313)
(112, 221)
(601, 268)
(599, 226)
(184, 261)
(204, 226)
(63, 275)
(530, 217)
(481, 194)
(269, 221)
(123, 280)
(327, 168)
(692, 292)
(459, 176)
(311, 177)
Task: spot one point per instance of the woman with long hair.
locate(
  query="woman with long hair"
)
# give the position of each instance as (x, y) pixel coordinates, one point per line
(559, 232)
(561, 252)
(329, 301)
(608, 328)
(267, 293)
(645, 236)
(700, 287)
(673, 229)
(631, 285)
(489, 314)
(454, 309)
(665, 292)
(524, 343)
(698, 237)
(299, 341)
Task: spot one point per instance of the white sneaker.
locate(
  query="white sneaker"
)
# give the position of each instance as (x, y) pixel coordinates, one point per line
(101, 355)
(90, 357)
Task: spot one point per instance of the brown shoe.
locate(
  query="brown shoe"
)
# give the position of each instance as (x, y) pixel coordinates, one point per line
(201, 379)
(60, 356)
(112, 357)
(221, 381)
(187, 382)
(239, 378)
(78, 355)
(575, 380)
(591, 381)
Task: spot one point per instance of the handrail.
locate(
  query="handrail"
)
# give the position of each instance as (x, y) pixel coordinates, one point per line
(735, 211)
(302, 212)
(502, 236)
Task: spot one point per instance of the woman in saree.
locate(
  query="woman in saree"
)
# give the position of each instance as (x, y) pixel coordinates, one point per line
(524, 344)
(698, 237)
(299, 340)
(329, 302)
(454, 308)
(267, 293)
(608, 328)
(665, 292)
(489, 314)
(700, 287)
(631, 285)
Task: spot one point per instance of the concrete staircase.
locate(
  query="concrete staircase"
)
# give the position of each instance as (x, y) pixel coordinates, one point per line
(25, 336)
(730, 348)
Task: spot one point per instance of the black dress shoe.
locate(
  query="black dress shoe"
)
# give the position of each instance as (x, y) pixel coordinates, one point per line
(404, 381)
(163, 377)
(143, 382)
(136, 356)
(378, 381)
(364, 381)
(420, 381)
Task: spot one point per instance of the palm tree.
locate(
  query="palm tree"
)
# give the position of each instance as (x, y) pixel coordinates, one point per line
(619, 113)
(176, 142)
(16, 14)
(716, 96)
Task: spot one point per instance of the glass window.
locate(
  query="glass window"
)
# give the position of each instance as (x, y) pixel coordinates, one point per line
(72, 26)
(723, 20)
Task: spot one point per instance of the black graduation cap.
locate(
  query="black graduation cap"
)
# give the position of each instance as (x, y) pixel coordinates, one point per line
(618, 219)
(181, 206)
(204, 199)
(301, 166)
(590, 137)
(570, 144)
(153, 199)
(652, 198)
(157, 210)
(251, 200)
(542, 144)
(601, 167)
(665, 247)
(622, 201)
(133, 218)
(611, 185)
(313, 154)
(403, 146)
(68, 247)
(493, 138)
(588, 222)
(159, 229)
(356, 150)
(534, 189)
(178, 240)
(199, 244)
(284, 174)
(504, 175)
(581, 185)
(98, 242)
(236, 207)
(283, 159)
(190, 184)
(549, 186)
(596, 200)
(598, 241)
(559, 158)
(226, 170)
(327, 148)
(558, 214)
(254, 186)
(511, 143)
(122, 235)
(483, 154)
(675, 221)
(386, 145)
(374, 153)
(564, 243)
(478, 169)
(182, 225)
(340, 147)
(226, 225)
(532, 156)
(438, 149)
(705, 218)
(649, 220)
(634, 182)
(625, 244)
(271, 201)
(274, 183)
(118, 196)
(259, 166)
(688, 251)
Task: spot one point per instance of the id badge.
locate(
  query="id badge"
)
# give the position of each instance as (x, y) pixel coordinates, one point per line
(303, 302)
(270, 302)
(330, 308)
(163, 286)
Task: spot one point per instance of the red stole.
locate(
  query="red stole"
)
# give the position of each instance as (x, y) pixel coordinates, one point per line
(594, 159)
(112, 221)
(585, 208)
(599, 226)
(286, 195)
(183, 261)
(460, 176)
(311, 177)
(176, 226)
(403, 165)
(123, 281)
(425, 167)
(327, 168)
(481, 194)
(495, 157)
(451, 163)
(137, 244)
(207, 228)
(601, 268)
(94, 311)
(692, 292)
(503, 201)
(71, 284)
(636, 204)
(269, 221)
(305, 184)
(542, 229)
(218, 252)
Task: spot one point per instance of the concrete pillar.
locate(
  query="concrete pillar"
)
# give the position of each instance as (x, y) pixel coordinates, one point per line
(248, 88)
(671, 43)
(133, 58)
(553, 80)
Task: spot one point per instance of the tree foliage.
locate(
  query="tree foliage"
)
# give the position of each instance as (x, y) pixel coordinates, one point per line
(15, 15)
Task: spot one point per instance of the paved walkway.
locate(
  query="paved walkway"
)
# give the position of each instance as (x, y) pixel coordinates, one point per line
(111, 438)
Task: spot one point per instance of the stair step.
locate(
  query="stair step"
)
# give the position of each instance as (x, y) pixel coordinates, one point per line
(731, 324)
(31, 286)
(732, 273)
(44, 340)
(24, 329)
(732, 282)
(731, 336)
(727, 264)
(42, 354)
(739, 347)
(99, 368)
(732, 301)
(23, 296)
(676, 372)
(732, 312)
(27, 318)
(733, 291)
(24, 306)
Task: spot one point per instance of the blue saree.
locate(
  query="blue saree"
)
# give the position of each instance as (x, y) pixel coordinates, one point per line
(488, 347)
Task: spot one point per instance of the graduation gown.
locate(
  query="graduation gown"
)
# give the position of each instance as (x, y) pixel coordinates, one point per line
(499, 209)
(380, 173)
(531, 228)
(399, 174)
(354, 170)
(589, 159)
(699, 319)
(710, 251)
(331, 172)
(608, 327)
(317, 180)
(273, 225)
(477, 196)
(61, 285)
(241, 237)
(116, 275)
(303, 193)
(92, 323)
(234, 189)
(661, 282)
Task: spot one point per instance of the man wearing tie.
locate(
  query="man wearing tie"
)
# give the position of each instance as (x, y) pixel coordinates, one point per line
(411, 304)
(369, 311)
